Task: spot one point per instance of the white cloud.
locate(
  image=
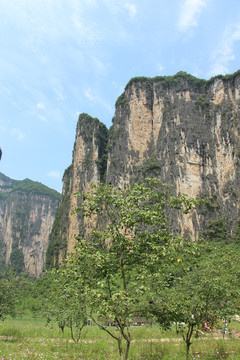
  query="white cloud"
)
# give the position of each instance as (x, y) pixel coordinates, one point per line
(57, 87)
(99, 66)
(54, 174)
(225, 51)
(17, 133)
(89, 95)
(41, 106)
(116, 7)
(59, 92)
(190, 11)
(159, 67)
(95, 98)
(83, 31)
(42, 118)
(132, 10)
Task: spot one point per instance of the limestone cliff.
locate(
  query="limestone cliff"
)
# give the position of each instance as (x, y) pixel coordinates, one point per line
(186, 132)
(89, 165)
(27, 211)
(180, 129)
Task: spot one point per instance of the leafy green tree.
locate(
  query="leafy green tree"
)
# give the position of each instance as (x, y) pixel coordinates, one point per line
(118, 262)
(8, 294)
(65, 302)
(207, 289)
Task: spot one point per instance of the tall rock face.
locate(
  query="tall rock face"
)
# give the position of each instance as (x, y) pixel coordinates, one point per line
(184, 131)
(180, 129)
(88, 166)
(27, 212)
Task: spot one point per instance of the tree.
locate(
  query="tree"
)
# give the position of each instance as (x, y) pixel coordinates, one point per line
(124, 254)
(66, 302)
(8, 294)
(206, 290)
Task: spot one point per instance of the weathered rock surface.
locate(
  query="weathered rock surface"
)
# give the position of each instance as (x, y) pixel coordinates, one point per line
(27, 211)
(181, 129)
(89, 165)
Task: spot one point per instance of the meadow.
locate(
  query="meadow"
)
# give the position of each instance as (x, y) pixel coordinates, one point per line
(31, 338)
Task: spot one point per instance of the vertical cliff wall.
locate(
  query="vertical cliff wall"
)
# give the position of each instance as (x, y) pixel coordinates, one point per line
(88, 166)
(186, 132)
(181, 129)
(27, 211)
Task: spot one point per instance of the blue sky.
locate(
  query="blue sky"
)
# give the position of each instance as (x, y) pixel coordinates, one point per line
(59, 58)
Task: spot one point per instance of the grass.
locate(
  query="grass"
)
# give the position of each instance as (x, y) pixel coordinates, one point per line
(29, 338)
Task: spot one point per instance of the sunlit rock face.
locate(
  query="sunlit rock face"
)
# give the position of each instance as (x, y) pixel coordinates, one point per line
(27, 212)
(88, 166)
(180, 129)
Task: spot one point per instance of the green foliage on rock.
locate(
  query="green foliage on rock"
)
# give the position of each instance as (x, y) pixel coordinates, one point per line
(25, 186)
(122, 100)
(28, 186)
(216, 230)
(17, 260)
(167, 81)
(102, 141)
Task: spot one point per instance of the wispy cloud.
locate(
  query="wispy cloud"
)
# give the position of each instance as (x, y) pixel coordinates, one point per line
(54, 174)
(98, 65)
(42, 118)
(92, 96)
(58, 90)
(117, 7)
(190, 12)
(224, 52)
(159, 67)
(131, 9)
(18, 134)
(41, 106)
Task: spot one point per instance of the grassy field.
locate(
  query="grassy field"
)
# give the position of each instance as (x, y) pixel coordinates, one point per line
(29, 338)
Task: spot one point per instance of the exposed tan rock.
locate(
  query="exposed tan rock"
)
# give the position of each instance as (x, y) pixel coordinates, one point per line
(180, 129)
(26, 220)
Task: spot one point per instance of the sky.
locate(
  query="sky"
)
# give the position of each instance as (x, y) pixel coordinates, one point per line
(60, 58)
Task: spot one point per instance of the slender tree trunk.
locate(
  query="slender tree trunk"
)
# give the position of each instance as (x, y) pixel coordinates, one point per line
(71, 328)
(188, 348)
(123, 274)
(120, 349)
(127, 350)
(62, 328)
(188, 337)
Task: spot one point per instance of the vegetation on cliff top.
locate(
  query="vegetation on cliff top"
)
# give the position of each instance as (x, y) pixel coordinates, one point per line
(85, 118)
(7, 180)
(92, 126)
(167, 81)
(29, 186)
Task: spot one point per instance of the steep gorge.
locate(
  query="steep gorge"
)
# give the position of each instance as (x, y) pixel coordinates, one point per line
(27, 211)
(180, 129)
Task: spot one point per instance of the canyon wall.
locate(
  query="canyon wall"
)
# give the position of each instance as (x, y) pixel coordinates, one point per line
(180, 129)
(27, 212)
